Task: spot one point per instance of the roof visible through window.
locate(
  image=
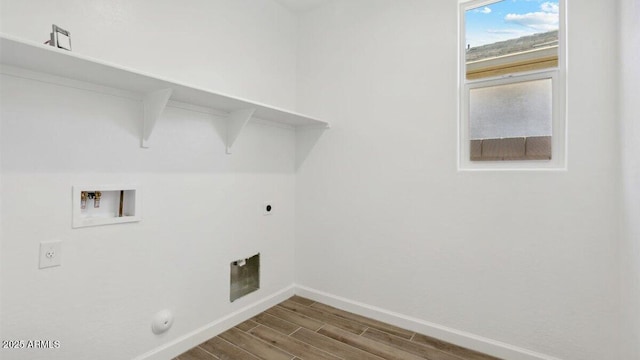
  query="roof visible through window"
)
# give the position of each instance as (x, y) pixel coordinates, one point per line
(511, 36)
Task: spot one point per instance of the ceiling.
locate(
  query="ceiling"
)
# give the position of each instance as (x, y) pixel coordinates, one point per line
(299, 6)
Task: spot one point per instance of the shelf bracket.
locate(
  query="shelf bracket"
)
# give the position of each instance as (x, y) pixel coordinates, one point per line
(235, 123)
(154, 104)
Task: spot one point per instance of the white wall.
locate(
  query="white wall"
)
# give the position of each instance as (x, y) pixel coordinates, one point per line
(383, 217)
(630, 135)
(201, 208)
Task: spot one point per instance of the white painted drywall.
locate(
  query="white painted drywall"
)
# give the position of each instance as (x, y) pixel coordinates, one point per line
(630, 135)
(384, 218)
(201, 208)
(300, 6)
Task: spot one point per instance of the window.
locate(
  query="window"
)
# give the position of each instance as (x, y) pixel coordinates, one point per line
(512, 84)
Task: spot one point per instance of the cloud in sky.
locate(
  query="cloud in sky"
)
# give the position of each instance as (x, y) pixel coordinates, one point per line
(510, 19)
(550, 7)
(545, 20)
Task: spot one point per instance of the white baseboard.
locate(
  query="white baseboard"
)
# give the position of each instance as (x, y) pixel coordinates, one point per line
(461, 338)
(198, 336)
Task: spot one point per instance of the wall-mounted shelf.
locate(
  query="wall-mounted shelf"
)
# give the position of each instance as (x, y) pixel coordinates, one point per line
(156, 91)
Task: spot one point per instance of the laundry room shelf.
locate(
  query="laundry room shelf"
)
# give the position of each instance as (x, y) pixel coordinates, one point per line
(155, 91)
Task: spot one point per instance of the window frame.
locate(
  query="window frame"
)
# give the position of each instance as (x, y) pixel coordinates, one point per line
(557, 75)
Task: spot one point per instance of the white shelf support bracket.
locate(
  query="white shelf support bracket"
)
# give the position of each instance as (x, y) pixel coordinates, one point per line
(154, 104)
(235, 123)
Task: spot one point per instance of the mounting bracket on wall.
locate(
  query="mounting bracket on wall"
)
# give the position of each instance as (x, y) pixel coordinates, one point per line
(236, 121)
(154, 104)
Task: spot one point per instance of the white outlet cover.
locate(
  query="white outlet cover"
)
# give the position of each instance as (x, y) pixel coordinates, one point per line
(50, 253)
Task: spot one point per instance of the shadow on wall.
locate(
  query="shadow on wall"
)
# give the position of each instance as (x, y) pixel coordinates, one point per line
(306, 140)
(90, 132)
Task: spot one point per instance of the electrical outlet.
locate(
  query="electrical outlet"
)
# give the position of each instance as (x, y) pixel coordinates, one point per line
(50, 253)
(267, 208)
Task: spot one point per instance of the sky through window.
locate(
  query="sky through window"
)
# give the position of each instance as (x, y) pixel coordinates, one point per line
(510, 19)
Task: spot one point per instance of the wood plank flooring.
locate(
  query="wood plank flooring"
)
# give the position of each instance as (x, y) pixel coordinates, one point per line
(301, 329)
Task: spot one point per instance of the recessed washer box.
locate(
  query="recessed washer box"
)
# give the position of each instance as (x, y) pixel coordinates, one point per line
(95, 205)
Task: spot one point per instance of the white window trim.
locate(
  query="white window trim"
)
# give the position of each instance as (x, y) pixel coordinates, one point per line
(558, 160)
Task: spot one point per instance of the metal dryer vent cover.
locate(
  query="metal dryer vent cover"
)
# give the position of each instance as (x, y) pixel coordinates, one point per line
(245, 277)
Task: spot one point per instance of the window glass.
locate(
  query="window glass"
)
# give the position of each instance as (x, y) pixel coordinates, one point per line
(510, 65)
(511, 36)
(513, 110)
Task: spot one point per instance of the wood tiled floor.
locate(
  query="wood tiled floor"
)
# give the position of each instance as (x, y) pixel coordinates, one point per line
(301, 329)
